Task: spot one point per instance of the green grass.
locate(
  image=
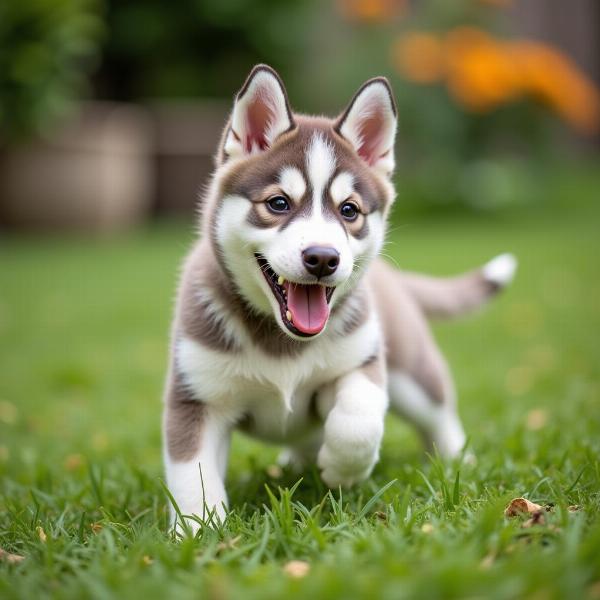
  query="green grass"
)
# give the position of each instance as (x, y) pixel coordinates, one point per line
(83, 343)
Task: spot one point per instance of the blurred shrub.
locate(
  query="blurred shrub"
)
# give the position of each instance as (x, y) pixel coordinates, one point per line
(47, 49)
(471, 100)
(483, 73)
(198, 48)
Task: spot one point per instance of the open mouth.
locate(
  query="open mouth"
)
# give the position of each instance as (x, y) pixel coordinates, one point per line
(304, 307)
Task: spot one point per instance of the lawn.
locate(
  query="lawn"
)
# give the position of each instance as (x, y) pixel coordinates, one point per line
(83, 342)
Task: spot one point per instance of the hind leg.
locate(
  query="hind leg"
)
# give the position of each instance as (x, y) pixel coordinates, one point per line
(424, 394)
(439, 424)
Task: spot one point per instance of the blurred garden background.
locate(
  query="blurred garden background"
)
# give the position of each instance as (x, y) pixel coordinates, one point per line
(110, 111)
(116, 106)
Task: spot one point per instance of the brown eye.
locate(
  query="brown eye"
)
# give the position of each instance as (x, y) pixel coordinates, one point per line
(349, 211)
(278, 204)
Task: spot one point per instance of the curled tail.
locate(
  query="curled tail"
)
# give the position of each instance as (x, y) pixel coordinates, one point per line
(445, 297)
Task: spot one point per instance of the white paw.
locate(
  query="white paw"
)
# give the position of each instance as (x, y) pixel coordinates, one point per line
(501, 269)
(449, 437)
(338, 471)
(350, 450)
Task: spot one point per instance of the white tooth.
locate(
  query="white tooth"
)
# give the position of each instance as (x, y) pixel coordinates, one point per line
(280, 280)
(288, 315)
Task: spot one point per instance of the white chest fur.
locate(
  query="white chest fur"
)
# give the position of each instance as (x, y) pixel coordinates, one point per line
(275, 392)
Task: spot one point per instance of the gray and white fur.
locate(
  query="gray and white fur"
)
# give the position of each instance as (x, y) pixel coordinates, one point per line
(287, 325)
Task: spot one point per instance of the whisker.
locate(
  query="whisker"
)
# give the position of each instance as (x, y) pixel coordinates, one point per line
(392, 259)
(398, 227)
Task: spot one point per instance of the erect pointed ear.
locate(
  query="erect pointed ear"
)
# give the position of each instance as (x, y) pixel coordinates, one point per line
(369, 124)
(261, 113)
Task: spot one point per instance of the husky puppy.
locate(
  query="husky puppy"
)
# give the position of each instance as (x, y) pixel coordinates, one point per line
(287, 325)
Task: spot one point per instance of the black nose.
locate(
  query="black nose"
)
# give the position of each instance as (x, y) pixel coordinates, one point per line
(321, 260)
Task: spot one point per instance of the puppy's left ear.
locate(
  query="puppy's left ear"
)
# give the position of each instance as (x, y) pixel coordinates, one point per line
(369, 124)
(261, 113)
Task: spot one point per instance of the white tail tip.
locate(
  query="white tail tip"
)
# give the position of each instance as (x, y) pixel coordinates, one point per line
(501, 269)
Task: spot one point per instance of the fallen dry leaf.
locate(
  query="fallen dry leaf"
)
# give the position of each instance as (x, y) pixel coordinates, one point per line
(427, 528)
(274, 471)
(487, 561)
(73, 462)
(537, 518)
(521, 506)
(228, 544)
(296, 569)
(536, 419)
(11, 559)
(41, 534)
(96, 527)
(574, 508)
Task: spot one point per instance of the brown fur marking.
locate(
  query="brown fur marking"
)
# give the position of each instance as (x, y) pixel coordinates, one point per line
(374, 369)
(203, 273)
(197, 320)
(356, 310)
(410, 347)
(184, 417)
(250, 176)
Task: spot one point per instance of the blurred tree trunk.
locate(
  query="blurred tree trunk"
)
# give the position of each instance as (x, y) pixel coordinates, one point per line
(573, 25)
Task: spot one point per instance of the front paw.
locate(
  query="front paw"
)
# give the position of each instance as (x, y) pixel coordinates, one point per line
(350, 450)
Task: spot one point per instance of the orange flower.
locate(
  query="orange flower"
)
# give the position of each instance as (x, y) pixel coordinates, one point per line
(480, 71)
(497, 3)
(553, 78)
(419, 56)
(373, 11)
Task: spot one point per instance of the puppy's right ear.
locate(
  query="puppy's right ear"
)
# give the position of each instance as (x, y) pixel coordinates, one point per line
(369, 124)
(261, 113)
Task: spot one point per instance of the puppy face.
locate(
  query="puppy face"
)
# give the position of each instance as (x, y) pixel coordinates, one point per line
(300, 202)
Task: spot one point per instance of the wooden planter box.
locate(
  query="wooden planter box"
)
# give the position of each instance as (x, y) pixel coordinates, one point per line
(187, 135)
(95, 174)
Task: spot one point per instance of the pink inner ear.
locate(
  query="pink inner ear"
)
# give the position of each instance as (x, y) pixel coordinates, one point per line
(371, 136)
(259, 115)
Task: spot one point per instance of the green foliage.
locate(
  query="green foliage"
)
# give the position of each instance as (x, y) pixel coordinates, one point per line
(449, 154)
(198, 47)
(83, 341)
(474, 154)
(435, 123)
(47, 48)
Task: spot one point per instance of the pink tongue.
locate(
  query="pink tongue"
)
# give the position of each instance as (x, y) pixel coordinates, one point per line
(308, 306)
